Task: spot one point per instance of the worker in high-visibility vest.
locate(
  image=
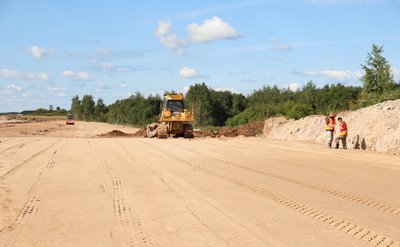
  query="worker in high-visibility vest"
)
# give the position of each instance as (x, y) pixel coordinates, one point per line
(330, 127)
(342, 134)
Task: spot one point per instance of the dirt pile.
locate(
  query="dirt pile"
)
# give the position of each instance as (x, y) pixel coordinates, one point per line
(250, 129)
(205, 133)
(374, 128)
(115, 133)
(140, 133)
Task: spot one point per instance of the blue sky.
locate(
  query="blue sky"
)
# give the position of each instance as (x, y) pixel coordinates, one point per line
(53, 50)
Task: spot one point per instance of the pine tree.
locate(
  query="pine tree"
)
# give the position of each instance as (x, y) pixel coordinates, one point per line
(378, 78)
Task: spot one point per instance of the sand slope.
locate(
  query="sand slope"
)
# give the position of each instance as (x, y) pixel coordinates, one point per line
(375, 128)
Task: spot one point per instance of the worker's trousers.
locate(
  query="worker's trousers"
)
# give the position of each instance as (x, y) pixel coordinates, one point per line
(343, 138)
(329, 134)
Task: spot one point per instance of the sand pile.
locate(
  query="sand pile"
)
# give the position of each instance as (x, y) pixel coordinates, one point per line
(115, 133)
(375, 128)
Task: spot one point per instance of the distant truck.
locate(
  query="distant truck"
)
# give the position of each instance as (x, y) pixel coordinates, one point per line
(70, 120)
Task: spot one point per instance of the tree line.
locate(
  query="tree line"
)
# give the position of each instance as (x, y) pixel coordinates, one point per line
(219, 108)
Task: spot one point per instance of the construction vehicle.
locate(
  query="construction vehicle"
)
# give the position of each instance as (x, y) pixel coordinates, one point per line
(175, 119)
(70, 120)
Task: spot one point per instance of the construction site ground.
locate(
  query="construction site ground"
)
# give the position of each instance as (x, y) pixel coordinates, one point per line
(69, 186)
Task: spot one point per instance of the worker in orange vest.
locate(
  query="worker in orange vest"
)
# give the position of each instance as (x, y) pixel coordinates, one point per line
(330, 127)
(342, 134)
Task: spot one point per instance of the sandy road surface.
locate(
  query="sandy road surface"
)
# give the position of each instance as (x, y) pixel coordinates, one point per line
(59, 191)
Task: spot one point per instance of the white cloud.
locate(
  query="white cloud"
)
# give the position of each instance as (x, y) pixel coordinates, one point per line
(340, 75)
(105, 65)
(222, 89)
(212, 29)
(108, 67)
(277, 44)
(294, 86)
(56, 91)
(101, 87)
(168, 38)
(42, 76)
(11, 89)
(103, 52)
(158, 92)
(284, 47)
(123, 85)
(185, 89)
(76, 76)
(38, 52)
(186, 72)
(15, 74)
(123, 69)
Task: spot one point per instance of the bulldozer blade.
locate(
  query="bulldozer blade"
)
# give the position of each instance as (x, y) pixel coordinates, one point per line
(152, 130)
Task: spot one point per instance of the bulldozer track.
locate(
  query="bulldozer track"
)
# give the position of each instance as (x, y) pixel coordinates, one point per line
(350, 154)
(30, 208)
(14, 146)
(20, 165)
(243, 229)
(342, 225)
(19, 145)
(126, 216)
(368, 202)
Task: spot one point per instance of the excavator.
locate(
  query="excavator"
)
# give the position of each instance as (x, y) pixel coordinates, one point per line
(175, 120)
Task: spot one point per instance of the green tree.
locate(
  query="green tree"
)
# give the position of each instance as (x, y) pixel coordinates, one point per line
(309, 96)
(378, 78)
(87, 107)
(76, 107)
(100, 110)
(199, 99)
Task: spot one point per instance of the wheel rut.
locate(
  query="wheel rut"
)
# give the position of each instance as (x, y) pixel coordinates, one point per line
(129, 223)
(20, 165)
(30, 209)
(342, 225)
(195, 204)
(364, 201)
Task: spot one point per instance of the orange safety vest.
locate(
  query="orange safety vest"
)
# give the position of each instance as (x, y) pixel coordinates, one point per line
(330, 125)
(343, 129)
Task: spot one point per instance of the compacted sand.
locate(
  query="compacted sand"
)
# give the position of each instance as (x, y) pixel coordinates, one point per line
(65, 186)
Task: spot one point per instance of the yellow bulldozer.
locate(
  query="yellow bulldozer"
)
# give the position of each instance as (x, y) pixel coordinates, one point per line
(175, 119)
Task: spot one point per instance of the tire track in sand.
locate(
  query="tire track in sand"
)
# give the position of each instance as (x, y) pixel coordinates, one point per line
(19, 145)
(342, 225)
(191, 203)
(20, 165)
(31, 207)
(127, 219)
(364, 201)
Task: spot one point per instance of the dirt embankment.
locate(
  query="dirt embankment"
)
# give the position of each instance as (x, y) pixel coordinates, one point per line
(247, 130)
(374, 128)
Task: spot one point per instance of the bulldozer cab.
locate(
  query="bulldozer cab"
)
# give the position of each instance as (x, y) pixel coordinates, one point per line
(173, 102)
(174, 105)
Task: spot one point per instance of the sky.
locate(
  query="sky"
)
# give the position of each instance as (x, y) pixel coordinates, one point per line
(51, 51)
